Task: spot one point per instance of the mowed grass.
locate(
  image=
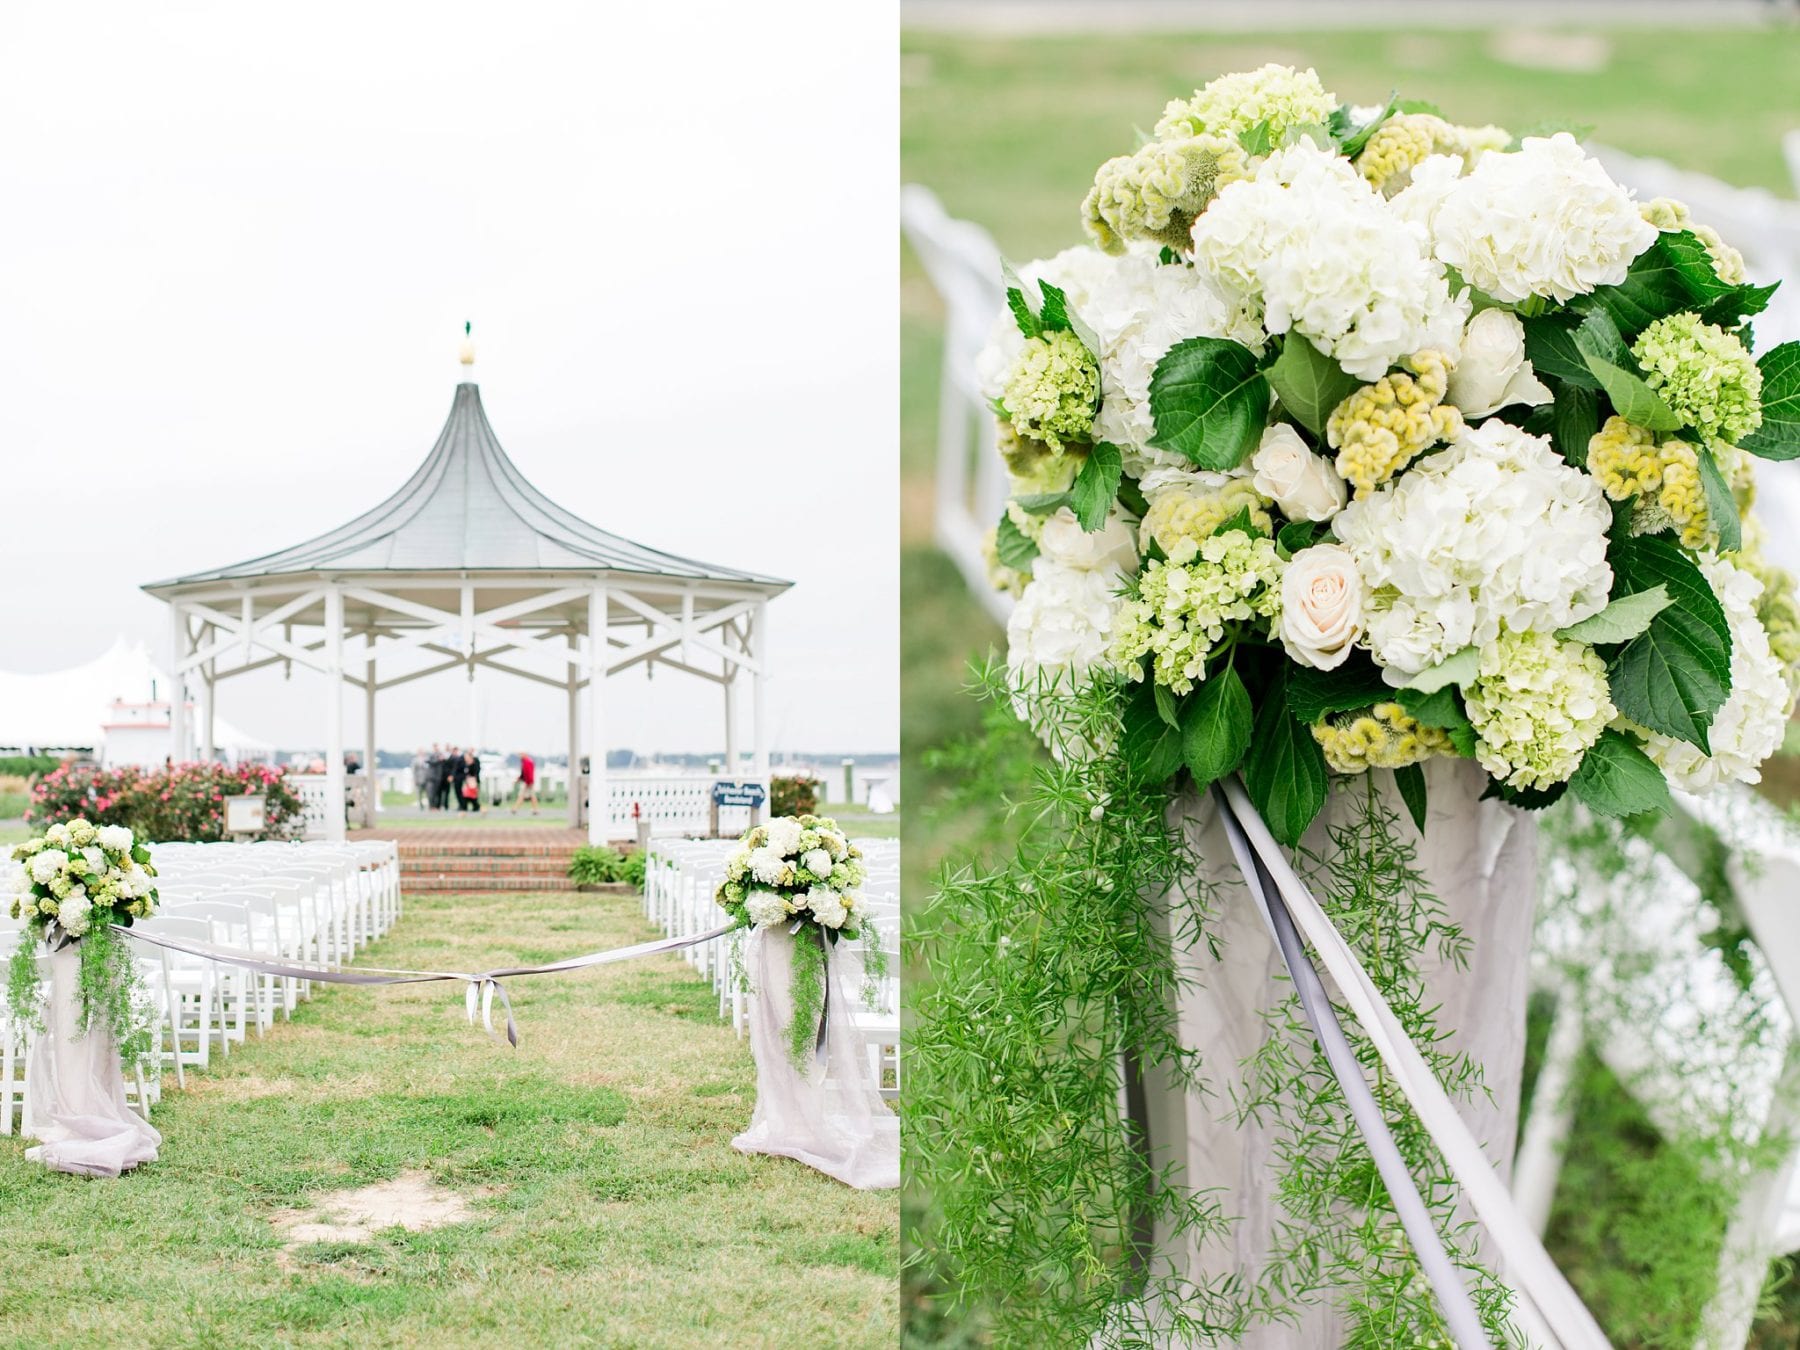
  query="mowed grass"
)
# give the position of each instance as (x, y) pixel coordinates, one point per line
(609, 1208)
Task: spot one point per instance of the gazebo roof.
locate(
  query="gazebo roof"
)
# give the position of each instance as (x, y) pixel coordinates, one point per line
(467, 508)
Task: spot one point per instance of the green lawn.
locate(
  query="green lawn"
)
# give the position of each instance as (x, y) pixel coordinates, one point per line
(1008, 132)
(609, 1207)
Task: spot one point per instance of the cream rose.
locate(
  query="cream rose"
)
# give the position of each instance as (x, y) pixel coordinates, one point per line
(1492, 372)
(1112, 547)
(1321, 606)
(1304, 485)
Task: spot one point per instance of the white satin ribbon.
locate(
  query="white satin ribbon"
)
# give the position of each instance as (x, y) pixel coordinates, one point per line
(1529, 1268)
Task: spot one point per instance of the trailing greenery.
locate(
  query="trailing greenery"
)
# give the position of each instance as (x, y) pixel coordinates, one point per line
(1340, 1231)
(808, 993)
(24, 990)
(112, 995)
(599, 865)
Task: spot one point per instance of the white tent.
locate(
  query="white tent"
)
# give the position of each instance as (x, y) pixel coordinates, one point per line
(115, 706)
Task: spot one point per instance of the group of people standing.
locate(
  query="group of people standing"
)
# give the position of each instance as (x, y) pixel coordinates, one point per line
(446, 778)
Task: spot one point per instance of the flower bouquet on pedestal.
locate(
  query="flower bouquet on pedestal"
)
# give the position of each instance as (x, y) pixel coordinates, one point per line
(73, 884)
(1358, 440)
(801, 874)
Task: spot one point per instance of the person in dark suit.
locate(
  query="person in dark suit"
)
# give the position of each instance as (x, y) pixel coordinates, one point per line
(437, 769)
(468, 776)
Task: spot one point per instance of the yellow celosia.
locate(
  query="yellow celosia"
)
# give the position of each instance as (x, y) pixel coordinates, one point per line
(1380, 428)
(1401, 143)
(1669, 215)
(1156, 193)
(1663, 477)
(1381, 737)
(1177, 513)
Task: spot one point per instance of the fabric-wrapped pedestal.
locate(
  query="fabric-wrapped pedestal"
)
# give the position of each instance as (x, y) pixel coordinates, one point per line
(1480, 860)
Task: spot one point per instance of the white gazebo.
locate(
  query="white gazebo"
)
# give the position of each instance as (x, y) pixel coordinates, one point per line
(467, 566)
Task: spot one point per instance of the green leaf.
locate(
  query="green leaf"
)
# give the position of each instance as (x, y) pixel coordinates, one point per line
(1309, 383)
(1215, 726)
(1354, 145)
(1684, 253)
(1297, 535)
(1739, 303)
(1015, 548)
(1410, 779)
(1152, 747)
(1575, 418)
(1674, 274)
(1610, 362)
(1779, 435)
(1721, 506)
(1209, 402)
(1441, 709)
(1356, 684)
(1168, 707)
(1617, 779)
(1055, 312)
(1257, 140)
(1676, 675)
(1096, 486)
(1621, 620)
(1458, 668)
(1240, 522)
(1419, 105)
(1316, 132)
(1550, 346)
(1284, 772)
(1526, 799)
(1041, 503)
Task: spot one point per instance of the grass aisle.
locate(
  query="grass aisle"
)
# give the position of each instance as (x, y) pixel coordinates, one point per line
(606, 1205)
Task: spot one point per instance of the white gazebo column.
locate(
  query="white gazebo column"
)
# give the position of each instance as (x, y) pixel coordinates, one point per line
(209, 694)
(371, 777)
(729, 685)
(178, 645)
(334, 714)
(573, 681)
(599, 803)
(759, 683)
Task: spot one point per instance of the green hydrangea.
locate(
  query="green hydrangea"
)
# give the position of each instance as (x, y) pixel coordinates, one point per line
(1156, 193)
(1053, 389)
(1537, 703)
(1182, 605)
(1279, 95)
(1704, 373)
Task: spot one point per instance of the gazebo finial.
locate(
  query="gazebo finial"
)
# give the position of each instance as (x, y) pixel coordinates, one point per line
(467, 355)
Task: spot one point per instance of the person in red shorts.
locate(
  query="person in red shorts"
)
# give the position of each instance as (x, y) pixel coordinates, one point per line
(527, 784)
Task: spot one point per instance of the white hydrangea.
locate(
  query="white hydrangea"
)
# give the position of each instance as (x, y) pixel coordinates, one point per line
(115, 837)
(1749, 728)
(1061, 626)
(1138, 309)
(75, 912)
(1543, 220)
(784, 835)
(1318, 247)
(1494, 531)
(827, 906)
(766, 908)
(48, 865)
(817, 861)
(768, 865)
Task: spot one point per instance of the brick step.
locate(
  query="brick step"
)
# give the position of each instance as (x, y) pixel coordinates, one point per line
(409, 852)
(423, 865)
(484, 885)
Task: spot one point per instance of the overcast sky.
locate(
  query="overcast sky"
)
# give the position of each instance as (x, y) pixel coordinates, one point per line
(239, 245)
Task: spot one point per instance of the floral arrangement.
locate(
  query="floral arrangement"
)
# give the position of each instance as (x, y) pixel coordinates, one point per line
(802, 872)
(181, 802)
(70, 885)
(1358, 437)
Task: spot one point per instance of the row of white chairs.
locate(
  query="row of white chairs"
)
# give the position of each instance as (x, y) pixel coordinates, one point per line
(311, 903)
(680, 881)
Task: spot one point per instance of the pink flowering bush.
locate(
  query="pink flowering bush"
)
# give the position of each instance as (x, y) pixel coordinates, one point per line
(185, 802)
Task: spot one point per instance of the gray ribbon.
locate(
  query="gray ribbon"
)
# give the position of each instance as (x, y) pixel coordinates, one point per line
(1447, 1279)
(481, 985)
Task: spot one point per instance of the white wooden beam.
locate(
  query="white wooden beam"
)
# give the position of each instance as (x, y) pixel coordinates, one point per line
(334, 715)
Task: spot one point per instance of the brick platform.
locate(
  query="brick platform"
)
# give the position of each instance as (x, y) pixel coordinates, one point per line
(482, 858)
